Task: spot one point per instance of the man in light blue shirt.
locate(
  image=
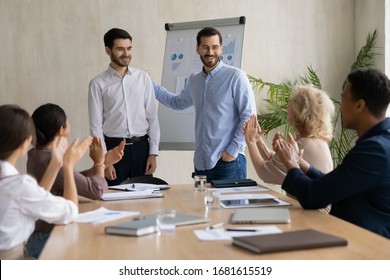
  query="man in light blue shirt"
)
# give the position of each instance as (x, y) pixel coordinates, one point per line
(223, 99)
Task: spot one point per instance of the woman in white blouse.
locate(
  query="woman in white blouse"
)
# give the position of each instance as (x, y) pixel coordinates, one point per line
(22, 200)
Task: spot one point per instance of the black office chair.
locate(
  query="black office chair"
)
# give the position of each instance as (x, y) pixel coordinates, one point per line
(145, 180)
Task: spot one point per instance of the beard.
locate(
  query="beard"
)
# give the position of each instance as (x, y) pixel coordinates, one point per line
(209, 63)
(120, 61)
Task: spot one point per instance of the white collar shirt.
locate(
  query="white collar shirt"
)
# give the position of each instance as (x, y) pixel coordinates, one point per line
(22, 202)
(124, 107)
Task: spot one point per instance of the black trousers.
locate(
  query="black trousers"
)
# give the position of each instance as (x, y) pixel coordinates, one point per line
(133, 163)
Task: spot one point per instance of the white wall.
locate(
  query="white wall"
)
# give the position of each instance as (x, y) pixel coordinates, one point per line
(51, 49)
(370, 15)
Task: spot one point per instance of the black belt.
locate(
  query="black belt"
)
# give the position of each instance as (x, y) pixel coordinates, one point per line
(128, 141)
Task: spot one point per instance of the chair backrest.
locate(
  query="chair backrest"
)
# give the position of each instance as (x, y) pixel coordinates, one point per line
(146, 180)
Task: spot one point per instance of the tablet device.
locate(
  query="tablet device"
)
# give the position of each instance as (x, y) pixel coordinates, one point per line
(265, 215)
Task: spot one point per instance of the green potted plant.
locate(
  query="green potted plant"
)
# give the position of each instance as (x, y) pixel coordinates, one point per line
(275, 114)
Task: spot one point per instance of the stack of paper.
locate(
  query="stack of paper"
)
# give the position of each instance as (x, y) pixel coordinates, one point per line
(139, 187)
(103, 215)
(131, 195)
(222, 234)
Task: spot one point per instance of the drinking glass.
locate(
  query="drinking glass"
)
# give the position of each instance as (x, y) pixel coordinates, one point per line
(165, 221)
(200, 182)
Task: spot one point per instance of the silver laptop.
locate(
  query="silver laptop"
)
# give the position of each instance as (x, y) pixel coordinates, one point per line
(263, 215)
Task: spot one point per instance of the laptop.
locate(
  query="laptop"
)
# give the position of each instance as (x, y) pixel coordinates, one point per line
(264, 215)
(231, 183)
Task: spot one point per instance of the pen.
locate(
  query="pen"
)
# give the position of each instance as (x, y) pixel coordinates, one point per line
(241, 229)
(215, 226)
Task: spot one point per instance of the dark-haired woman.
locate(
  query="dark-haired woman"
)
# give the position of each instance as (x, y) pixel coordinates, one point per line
(22, 200)
(50, 122)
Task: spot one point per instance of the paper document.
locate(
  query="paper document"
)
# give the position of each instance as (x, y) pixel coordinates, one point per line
(103, 215)
(222, 234)
(131, 195)
(139, 187)
(250, 200)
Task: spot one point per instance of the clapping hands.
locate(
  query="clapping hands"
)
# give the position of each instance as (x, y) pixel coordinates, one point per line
(96, 152)
(58, 150)
(288, 151)
(115, 154)
(76, 151)
(252, 131)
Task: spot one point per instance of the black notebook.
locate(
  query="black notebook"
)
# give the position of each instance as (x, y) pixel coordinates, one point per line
(288, 241)
(147, 224)
(231, 183)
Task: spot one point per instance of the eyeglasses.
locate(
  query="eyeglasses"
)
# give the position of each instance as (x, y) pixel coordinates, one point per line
(208, 48)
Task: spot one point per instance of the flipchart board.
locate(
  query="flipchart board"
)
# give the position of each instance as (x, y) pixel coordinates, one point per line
(180, 61)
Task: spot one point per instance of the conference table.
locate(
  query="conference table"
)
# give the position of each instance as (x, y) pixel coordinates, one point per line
(87, 241)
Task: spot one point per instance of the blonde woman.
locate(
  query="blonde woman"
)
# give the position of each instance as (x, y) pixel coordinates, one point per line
(310, 112)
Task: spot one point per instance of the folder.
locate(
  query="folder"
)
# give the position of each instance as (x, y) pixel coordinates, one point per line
(288, 241)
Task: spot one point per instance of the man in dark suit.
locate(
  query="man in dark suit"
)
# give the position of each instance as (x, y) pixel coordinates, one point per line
(359, 188)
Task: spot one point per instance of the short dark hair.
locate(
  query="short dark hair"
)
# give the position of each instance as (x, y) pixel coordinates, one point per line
(113, 34)
(208, 32)
(48, 120)
(373, 87)
(16, 126)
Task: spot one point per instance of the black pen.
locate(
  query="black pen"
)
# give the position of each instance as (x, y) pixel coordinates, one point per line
(240, 229)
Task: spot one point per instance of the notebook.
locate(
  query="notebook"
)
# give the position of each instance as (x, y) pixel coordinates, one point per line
(288, 241)
(146, 225)
(260, 216)
(230, 183)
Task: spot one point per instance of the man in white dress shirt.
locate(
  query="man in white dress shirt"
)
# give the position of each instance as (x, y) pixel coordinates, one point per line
(122, 106)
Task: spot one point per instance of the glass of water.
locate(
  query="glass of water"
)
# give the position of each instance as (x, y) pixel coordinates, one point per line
(166, 221)
(200, 182)
(211, 199)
